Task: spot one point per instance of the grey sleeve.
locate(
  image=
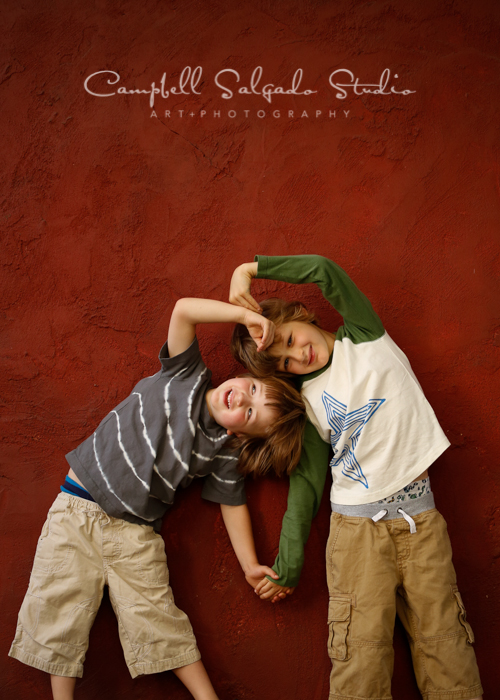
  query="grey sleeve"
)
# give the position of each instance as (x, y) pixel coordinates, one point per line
(225, 484)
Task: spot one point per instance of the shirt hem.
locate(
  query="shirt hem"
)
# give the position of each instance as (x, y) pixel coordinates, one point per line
(223, 501)
(394, 486)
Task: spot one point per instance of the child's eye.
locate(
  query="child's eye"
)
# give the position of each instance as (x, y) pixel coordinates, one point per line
(286, 363)
(289, 341)
(249, 412)
(254, 389)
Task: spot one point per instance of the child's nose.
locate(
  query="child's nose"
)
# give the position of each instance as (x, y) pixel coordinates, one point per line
(299, 355)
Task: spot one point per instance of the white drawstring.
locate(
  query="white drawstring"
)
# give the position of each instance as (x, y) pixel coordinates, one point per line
(409, 520)
(382, 513)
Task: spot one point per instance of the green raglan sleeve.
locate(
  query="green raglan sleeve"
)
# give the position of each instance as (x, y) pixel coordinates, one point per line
(307, 482)
(361, 323)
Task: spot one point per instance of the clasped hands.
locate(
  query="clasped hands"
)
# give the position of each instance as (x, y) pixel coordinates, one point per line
(268, 590)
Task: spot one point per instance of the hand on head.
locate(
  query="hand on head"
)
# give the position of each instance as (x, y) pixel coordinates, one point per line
(261, 330)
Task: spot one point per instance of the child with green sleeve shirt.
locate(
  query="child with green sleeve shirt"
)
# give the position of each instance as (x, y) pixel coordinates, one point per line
(388, 550)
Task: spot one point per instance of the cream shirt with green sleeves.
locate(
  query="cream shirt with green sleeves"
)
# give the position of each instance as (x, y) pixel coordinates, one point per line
(366, 404)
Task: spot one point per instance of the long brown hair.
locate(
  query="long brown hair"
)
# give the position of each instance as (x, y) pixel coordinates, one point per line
(279, 450)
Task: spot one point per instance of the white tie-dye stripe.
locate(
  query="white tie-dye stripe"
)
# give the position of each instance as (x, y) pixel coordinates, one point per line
(222, 437)
(226, 481)
(190, 401)
(124, 451)
(165, 481)
(125, 505)
(169, 429)
(209, 459)
(144, 429)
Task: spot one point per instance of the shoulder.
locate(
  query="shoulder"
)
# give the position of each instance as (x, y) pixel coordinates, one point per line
(188, 359)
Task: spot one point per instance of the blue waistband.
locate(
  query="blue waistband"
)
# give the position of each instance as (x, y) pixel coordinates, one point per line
(75, 489)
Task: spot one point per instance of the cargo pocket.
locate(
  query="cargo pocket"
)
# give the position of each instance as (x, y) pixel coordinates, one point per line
(462, 615)
(339, 618)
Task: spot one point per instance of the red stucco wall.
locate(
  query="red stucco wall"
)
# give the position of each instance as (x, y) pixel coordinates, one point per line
(110, 214)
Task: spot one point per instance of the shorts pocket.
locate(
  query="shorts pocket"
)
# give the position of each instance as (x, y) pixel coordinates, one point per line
(462, 615)
(53, 552)
(339, 618)
(336, 523)
(150, 558)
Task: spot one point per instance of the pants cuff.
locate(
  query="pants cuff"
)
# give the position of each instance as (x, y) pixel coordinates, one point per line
(336, 696)
(468, 694)
(143, 669)
(68, 670)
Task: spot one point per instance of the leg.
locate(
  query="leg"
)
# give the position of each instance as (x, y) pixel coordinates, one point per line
(62, 687)
(362, 580)
(155, 634)
(64, 592)
(196, 680)
(433, 614)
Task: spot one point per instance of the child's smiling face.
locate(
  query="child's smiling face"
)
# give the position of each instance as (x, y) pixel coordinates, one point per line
(239, 405)
(302, 347)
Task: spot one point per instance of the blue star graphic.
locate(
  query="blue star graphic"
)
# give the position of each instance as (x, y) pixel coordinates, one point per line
(351, 423)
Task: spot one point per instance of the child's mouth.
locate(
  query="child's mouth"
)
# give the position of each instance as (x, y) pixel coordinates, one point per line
(312, 356)
(229, 398)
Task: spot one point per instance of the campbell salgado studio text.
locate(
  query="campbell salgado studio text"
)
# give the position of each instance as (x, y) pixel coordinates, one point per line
(228, 81)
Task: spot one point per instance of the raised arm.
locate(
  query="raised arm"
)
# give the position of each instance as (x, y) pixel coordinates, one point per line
(361, 323)
(241, 282)
(188, 312)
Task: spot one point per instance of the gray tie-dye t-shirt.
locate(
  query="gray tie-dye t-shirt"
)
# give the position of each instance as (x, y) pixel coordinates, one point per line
(161, 437)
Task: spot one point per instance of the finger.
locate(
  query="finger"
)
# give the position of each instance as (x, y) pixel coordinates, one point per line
(255, 334)
(254, 305)
(241, 300)
(268, 336)
(264, 587)
(270, 572)
(268, 589)
(260, 586)
(260, 344)
(265, 333)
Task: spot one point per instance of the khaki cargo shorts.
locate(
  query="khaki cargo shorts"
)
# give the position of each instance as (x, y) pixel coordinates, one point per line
(80, 550)
(378, 569)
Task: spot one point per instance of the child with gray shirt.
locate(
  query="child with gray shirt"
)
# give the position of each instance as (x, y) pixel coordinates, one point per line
(103, 528)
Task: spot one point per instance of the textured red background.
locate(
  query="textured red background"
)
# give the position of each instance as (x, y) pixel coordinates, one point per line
(109, 216)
